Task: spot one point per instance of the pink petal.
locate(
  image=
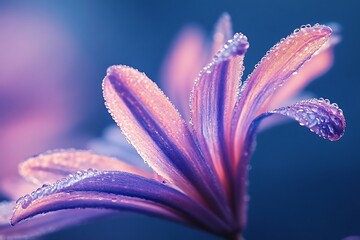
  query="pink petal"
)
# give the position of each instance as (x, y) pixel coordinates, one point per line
(182, 65)
(318, 65)
(274, 69)
(155, 128)
(213, 100)
(223, 32)
(54, 165)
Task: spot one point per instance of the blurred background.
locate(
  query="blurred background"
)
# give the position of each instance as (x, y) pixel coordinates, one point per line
(53, 57)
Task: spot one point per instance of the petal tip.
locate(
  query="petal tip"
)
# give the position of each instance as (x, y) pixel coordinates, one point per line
(314, 30)
(236, 46)
(322, 29)
(116, 68)
(319, 115)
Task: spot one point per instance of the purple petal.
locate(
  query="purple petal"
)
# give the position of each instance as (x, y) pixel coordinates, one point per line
(117, 190)
(45, 223)
(160, 135)
(321, 117)
(223, 32)
(274, 69)
(54, 165)
(213, 99)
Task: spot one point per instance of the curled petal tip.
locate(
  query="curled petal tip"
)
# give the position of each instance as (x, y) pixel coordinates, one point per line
(321, 117)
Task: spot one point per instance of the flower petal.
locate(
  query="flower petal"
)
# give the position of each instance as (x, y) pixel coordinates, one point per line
(321, 117)
(274, 69)
(45, 223)
(213, 100)
(155, 128)
(318, 65)
(181, 66)
(116, 190)
(223, 32)
(54, 165)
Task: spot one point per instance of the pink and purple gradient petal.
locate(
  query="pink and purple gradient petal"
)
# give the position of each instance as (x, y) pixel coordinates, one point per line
(213, 100)
(318, 65)
(321, 117)
(116, 190)
(275, 68)
(160, 135)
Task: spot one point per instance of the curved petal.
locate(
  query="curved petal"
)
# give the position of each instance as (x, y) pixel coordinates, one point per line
(223, 32)
(45, 223)
(321, 117)
(116, 190)
(213, 100)
(85, 200)
(155, 128)
(278, 65)
(318, 65)
(182, 65)
(54, 165)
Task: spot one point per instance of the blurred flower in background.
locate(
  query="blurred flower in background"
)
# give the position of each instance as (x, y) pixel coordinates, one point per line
(39, 95)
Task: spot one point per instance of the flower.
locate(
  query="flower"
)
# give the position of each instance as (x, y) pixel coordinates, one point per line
(35, 45)
(199, 169)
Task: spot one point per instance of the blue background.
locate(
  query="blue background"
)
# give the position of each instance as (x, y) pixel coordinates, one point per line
(301, 186)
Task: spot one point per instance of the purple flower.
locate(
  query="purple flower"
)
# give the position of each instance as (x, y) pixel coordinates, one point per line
(199, 169)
